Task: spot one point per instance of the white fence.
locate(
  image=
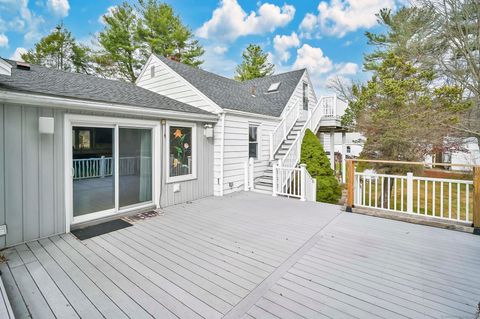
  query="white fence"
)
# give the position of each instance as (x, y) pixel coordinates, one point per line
(449, 199)
(103, 166)
(294, 182)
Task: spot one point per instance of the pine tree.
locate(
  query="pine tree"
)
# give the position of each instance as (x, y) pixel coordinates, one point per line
(120, 48)
(60, 50)
(162, 32)
(254, 65)
(318, 166)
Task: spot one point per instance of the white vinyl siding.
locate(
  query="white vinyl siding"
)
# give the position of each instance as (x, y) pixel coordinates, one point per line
(236, 150)
(172, 85)
(298, 94)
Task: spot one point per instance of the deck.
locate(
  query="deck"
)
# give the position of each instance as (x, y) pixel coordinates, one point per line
(249, 255)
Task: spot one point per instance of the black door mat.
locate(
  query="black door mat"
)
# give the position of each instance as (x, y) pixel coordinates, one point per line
(100, 229)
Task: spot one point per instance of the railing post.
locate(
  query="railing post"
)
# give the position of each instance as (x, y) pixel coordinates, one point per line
(303, 182)
(251, 173)
(409, 193)
(102, 167)
(476, 199)
(314, 190)
(246, 182)
(350, 183)
(274, 180)
(271, 146)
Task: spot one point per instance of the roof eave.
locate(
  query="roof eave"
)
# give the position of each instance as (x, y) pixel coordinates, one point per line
(79, 104)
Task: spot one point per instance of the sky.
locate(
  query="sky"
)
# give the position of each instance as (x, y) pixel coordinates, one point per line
(326, 37)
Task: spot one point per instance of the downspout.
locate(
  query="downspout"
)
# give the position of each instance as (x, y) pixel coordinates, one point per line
(222, 147)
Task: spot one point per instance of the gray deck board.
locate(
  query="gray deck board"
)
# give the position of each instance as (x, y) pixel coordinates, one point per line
(249, 255)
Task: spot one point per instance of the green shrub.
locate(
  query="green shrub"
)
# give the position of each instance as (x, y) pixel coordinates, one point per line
(318, 165)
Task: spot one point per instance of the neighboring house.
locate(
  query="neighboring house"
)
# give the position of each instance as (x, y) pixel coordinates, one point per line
(77, 149)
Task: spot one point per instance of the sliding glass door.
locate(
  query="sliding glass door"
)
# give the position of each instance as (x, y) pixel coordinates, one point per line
(93, 169)
(135, 166)
(112, 169)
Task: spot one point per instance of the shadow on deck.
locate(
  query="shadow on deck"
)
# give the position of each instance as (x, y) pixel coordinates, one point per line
(253, 256)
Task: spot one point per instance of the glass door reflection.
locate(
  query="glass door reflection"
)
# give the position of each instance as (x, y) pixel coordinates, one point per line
(93, 169)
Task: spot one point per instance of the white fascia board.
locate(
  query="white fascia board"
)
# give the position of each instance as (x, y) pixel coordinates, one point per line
(217, 108)
(144, 68)
(5, 68)
(310, 85)
(254, 115)
(52, 101)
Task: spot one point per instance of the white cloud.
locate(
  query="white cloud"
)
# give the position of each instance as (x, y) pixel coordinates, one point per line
(229, 21)
(348, 68)
(17, 17)
(108, 13)
(59, 8)
(219, 49)
(17, 55)
(282, 43)
(342, 16)
(3, 41)
(313, 59)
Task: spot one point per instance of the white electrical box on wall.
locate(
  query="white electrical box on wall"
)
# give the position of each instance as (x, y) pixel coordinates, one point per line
(3, 230)
(46, 125)
(176, 188)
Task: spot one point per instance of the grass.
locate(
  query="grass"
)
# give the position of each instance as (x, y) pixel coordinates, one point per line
(429, 202)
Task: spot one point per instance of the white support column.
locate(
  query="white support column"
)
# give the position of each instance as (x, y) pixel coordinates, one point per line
(409, 192)
(344, 155)
(246, 181)
(332, 150)
(303, 182)
(274, 180)
(271, 146)
(251, 170)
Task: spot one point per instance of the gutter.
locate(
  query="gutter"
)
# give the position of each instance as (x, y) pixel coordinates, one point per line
(60, 102)
(222, 150)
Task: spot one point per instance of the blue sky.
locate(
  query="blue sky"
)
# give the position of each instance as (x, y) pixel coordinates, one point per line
(327, 37)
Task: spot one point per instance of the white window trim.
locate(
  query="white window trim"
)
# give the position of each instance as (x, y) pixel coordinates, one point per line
(182, 178)
(259, 139)
(71, 120)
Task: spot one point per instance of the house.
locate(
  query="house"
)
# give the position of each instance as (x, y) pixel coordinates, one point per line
(78, 149)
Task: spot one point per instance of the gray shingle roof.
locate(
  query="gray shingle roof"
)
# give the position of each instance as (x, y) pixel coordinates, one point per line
(231, 94)
(52, 82)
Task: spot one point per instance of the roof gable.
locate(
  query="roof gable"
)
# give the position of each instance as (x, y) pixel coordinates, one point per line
(249, 96)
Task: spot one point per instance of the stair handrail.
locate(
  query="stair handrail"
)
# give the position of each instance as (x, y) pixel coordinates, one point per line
(292, 157)
(281, 131)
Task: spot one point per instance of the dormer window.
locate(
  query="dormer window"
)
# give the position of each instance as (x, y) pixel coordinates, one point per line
(274, 87)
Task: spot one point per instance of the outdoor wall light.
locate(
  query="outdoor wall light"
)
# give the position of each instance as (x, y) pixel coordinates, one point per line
(208, 130)
(46, 125)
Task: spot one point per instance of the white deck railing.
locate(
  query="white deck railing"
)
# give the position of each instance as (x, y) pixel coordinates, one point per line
(103, 166)
(294, 182)
(292, 157)
(92, 167)
(281, 131)
(449, 199)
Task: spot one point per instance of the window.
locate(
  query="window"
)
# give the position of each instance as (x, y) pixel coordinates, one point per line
(181, 155)
(349, 149)
(305, 95)
(252, 141)
(274, 87)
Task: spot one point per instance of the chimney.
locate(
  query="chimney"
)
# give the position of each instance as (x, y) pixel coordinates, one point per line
(254, 90)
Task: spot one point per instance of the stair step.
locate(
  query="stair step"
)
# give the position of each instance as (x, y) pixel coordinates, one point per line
(268, 188)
